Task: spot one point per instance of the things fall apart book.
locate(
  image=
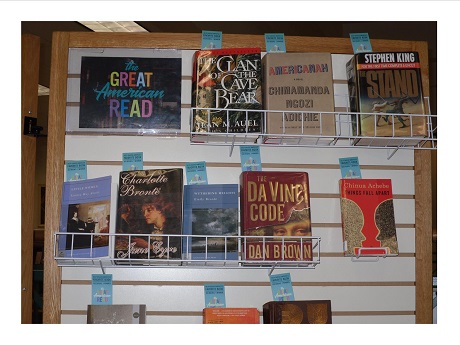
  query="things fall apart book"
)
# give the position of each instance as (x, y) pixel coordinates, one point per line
(227, 92)
(275, 216)
(368, 218)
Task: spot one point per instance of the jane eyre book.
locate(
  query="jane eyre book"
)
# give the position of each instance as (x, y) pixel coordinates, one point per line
(231, 316)
(149, 203)
(85, 211)
(227, 89)
(211, 210)
(299, 84)
(275, 204)
(130, 94)
(385, 88)
(297, 312)
(368, 219)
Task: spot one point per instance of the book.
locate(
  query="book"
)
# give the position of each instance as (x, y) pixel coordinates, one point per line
(386, 90)
(214, 296)
(368, 219)
(149, 214)
(211, 210)
(297, 312)
(299, 86)
(282, 287)
(129, 94)
(226, 94)
(275, 216)
(231, 316)
(85, 208)
(116, 313)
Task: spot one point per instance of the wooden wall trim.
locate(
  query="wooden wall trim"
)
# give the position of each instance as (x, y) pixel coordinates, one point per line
(56, 132)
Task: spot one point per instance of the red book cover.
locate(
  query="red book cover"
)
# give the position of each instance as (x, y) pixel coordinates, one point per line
(231, 316)
(368, 220)
(275, 208)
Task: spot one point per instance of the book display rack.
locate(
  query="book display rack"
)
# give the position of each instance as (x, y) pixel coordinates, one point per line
(380, 292)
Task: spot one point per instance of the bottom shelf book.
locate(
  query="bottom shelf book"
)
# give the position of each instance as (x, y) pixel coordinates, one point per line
(231, 316)
(116, 313)
(297, 312)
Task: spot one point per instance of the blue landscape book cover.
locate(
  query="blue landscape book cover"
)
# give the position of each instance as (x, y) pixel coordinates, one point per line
(282, 287)
(85, 209)
(211, 222)
(101, 287)
(214, 296)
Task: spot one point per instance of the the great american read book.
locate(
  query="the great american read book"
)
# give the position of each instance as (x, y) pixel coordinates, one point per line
(149, 214)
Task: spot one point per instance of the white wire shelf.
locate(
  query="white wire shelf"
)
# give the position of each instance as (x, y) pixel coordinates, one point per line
(67, 255)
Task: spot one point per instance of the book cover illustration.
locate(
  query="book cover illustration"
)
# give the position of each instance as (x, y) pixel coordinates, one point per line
(149, 203)
(368, 219)
(101, 287)
(75, 170)
(116, 314)
(224, 80)
(211, 210)
(275, 204)
(282, 287)
(85, 209)
(250, 158)
(214, 296)
(297, 312)
(386, 88)
(196, 173)
(133, 161)
(130, 94)
(231, 316)
(300, 85)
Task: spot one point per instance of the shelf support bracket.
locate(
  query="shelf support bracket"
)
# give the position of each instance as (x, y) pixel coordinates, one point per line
(232, 146)
(102, 267)
(271, 270)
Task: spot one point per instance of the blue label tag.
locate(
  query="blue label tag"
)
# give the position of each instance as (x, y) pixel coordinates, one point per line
(211, 39)
(133, 161)
(274, 43)
(360, 42)
(349, 167)
(250, 158)
(75, 170)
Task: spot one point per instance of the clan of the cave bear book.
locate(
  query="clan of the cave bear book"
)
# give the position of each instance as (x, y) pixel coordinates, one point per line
(300, 87)
(231, 316)
(275, 216)
(386, 90)
(149, 214)
(297, 312)
(211, 210)
(368, 218)
(85, 209)
(227, 91)
(129, 95)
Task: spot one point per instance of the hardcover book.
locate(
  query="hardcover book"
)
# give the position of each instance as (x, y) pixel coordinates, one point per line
(130, 95)
(116, 313)
(149, 214)
(368, 219)
(85, 207)
(231, 316)
(211, 210)
(297, 312)
(226, 90)
(300, 87)
(386, 88)
(275, 216)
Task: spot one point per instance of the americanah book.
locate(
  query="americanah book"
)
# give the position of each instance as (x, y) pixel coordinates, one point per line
(385, 88)
(211, 218)
(275, 204)
(85, 208)
(227, 86)
(130, 94)
(368, 219)
(149, 203)
(299, 84)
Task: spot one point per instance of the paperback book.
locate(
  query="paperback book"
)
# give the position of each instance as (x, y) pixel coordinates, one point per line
(226, 93)
(85, 208)
(116, 314)
(368, 219)
(386, 90)
(275, 216)
(211, 222)
(149, 214)
(297, 312)
(231, 316)
(300, 87)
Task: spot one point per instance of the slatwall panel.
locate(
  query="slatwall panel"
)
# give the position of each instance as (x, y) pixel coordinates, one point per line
(375, 290)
